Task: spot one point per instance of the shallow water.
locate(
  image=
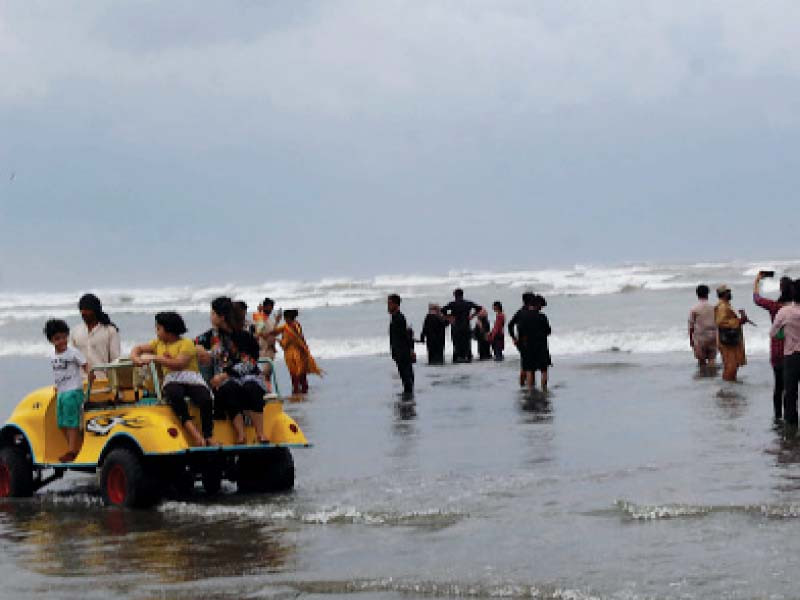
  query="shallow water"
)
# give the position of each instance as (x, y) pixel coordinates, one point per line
(634, 477)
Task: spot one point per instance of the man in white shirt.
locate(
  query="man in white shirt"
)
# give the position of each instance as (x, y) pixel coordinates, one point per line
(97, 338)
(703, 328)
(264, 324)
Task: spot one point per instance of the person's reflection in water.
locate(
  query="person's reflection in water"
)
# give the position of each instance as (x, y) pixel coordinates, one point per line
(731, 402)
(70, 541)
(787, 461)
(405, 409)
(536, 406)
(404, 429)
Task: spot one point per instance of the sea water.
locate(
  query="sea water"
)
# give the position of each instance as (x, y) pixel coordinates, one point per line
(636, 476)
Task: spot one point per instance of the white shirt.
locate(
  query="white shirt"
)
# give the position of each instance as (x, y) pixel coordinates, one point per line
(99, 346)
(67, 369)
(263, 329)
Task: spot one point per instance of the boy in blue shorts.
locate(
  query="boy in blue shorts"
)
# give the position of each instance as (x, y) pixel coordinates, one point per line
(69, 366)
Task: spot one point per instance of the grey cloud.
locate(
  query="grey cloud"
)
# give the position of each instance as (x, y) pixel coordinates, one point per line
(609, 121)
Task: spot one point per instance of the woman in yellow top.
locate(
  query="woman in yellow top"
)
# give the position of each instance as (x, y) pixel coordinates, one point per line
(296, 353)
(729, 334)
(178, 359)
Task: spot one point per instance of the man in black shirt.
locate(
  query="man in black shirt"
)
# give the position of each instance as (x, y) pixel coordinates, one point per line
(462, 312)
(531, 339)
(401, 344)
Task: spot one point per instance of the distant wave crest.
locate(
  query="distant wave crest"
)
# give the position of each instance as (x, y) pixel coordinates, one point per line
(337, 292)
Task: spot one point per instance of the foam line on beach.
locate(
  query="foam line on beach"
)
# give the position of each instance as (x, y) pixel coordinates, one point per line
(575, 343)
(655, 512)
(330, 515)
(436, 589)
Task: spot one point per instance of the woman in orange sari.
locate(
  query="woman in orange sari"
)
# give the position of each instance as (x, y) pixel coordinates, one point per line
(729, 334)
(296, 353)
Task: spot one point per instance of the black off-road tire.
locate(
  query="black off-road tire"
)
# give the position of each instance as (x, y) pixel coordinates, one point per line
(268, 471)
(124, 481)
(16, 479)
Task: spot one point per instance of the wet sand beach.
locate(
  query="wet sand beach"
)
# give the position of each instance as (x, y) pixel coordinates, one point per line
(634, 477)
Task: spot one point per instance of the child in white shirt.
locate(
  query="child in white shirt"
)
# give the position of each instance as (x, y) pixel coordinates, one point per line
(69, 366)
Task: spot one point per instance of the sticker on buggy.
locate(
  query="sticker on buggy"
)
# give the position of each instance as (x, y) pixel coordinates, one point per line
(104, 424)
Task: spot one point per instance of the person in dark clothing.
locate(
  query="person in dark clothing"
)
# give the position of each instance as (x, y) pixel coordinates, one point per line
(531, 339)
(432, 334)
(481, 333)
(401, 344)
(461, 312)
(527, 298)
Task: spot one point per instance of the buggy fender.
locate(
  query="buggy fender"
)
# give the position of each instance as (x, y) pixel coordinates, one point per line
(279, 427)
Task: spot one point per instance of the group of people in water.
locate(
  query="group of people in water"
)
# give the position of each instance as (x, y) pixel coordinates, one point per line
(529, 329)
(719, 328)
(220, 371)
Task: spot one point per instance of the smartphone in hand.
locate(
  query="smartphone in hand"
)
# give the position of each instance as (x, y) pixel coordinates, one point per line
(767, 273)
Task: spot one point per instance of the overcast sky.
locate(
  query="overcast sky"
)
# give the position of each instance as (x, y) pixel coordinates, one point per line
(192, 142)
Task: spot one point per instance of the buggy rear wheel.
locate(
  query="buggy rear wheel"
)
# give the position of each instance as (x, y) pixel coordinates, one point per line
(124, 481)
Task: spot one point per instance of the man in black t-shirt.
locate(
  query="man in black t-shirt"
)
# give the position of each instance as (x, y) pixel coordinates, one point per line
(461, 312)
(401, 344)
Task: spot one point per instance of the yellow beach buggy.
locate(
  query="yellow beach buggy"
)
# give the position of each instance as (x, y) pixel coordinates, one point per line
(134, 441)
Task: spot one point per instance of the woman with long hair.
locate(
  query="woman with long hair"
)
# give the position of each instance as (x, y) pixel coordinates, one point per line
(97, 337)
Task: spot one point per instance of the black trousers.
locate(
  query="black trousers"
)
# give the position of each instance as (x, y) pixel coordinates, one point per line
(497, 347)
(175, 394)
(777, 392)
(435, 353)
(791, 377)
(406, 371)
(228, 400)
(484, 349)
(462, 344)
(252, 396)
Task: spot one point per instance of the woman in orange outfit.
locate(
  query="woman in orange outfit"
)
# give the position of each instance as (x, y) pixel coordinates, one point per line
(296, 353)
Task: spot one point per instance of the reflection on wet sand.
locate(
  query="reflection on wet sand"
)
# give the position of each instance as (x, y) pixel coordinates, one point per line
(405, 409)
(787, 460)
(731, 401)
(73, 541)
(536, 406)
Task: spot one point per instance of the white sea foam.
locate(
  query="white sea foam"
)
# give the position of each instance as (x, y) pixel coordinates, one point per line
(653, 512)
(344, 291)
(329, 515)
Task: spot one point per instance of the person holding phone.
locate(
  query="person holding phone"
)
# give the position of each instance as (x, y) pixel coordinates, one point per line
(788, 321)
(776, 343)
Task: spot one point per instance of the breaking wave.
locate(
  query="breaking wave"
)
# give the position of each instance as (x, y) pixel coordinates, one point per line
(337, 292)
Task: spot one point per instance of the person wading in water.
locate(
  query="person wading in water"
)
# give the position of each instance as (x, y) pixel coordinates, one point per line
(461, 312)
(401, 342)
